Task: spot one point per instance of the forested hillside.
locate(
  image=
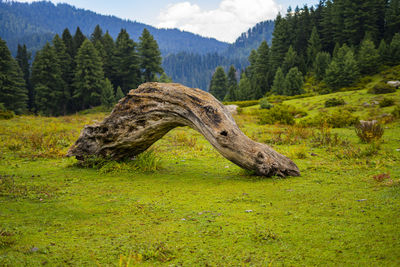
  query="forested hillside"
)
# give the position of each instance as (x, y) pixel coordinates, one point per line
(35, 23)
(195, 70)
(319, 50)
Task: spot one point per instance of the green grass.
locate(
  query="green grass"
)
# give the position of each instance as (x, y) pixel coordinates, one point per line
(192, 207)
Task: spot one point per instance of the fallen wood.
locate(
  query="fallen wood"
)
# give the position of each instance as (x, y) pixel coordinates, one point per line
(147, 113)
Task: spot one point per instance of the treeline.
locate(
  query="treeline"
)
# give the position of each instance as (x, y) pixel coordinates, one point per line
(334, 44)
(196, 70)
(75, 72)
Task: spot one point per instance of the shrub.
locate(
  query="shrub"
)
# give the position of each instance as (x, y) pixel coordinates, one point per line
(382, 88)
(333, 102)
(396, 112)
(336, 119)
(386, 102)
(277, 114)
(369, 131)
(264, 104)
(5, 114)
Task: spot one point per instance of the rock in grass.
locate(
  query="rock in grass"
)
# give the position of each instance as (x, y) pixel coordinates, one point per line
(147, 113)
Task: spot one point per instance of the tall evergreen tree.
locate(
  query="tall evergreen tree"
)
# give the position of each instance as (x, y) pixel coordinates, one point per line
(368, 57)
(150, 56)
(262, 71)
(278, 87)
(321, 63)
(218, 84)
(395, 50)
(89, 76)
(109, 50)
(126, 63)
(244, 90)
(392, 19)
(291, 60)
(107, 97)
(343, 70)
(77, 41)
(68, 42)
(314, 47)
(293, 82)
(232, 85)
(67, 72)
(97, 34)
(23, 57)
(13, 92)
(384, 52)
(280, 43)
(47, 81)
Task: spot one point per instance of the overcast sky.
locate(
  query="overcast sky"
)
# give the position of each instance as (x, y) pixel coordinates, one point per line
(224, 20)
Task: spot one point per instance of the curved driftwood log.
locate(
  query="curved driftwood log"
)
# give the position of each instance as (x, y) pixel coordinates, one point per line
(149, 112)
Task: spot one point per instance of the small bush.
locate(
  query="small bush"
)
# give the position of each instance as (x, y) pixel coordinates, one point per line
(386, 102)
(382, 88)
(333, 102)
(336, 119)
(264, 104)
(369, 131)
(277, 114)
(5, 114)
(396, 112)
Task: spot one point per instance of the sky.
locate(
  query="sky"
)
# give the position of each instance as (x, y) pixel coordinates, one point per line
(224, 20)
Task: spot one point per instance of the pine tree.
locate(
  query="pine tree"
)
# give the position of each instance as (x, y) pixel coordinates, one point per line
(77, 41)
(321, 63)
(291, 60)
(218, 84)
(97, 34)
(13, 92)
(119, 94)
(109, 50)
(89, 76)
(68, 42)
(314, 47)
(47, 81)
(395, 50)
(232, 85)
(150, 56)
(262, 71)
(293, 82)
(164, 78)
(384, 52)
(23, 57)
(392, 18)
(126, 63)
(278, 87)
(343, 70)
(244, 88)
(67, 74)
(368, 57)
(107, 98)
(280, 43)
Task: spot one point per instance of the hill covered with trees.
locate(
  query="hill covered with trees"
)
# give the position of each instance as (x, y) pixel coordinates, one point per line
(74, 72)
(36, 23)
(319, 50)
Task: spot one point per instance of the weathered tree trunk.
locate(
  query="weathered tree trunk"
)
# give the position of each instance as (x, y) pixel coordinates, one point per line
(149, 112)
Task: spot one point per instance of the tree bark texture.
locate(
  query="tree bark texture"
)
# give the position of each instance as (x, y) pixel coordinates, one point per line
(147, 113)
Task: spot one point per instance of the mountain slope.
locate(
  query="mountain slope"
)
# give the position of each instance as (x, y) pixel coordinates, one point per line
(36, 23)
(251, 39)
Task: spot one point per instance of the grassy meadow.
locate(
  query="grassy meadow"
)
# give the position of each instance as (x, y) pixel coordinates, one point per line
(182, 204)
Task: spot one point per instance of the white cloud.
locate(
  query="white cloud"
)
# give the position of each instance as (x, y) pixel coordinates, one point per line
(225, 23)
